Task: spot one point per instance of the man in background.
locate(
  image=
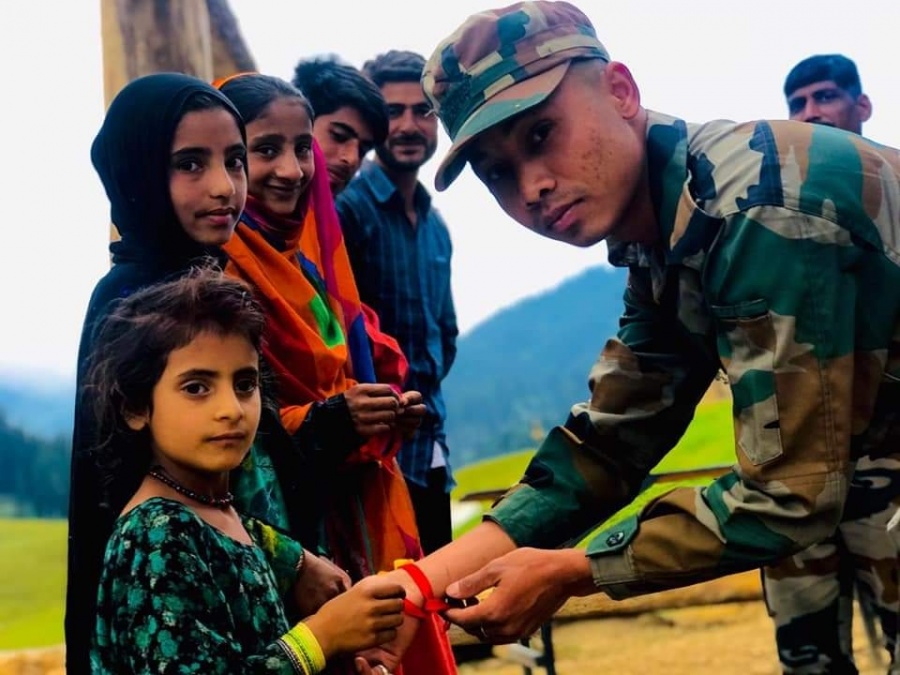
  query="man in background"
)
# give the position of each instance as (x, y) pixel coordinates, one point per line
(810, 595)
(825, 89)
(351, 117)
(400, 250)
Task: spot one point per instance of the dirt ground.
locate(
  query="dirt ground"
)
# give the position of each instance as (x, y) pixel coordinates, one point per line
(727, 639)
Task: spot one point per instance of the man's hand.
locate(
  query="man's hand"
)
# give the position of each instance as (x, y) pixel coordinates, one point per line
(319, 581)
(410, 415)
(529, 586)
(373, 408)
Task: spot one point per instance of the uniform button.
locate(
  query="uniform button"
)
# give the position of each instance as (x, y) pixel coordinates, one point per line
(615, 538)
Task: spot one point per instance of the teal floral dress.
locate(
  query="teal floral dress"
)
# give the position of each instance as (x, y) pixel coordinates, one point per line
(179, 596)
(256, 489)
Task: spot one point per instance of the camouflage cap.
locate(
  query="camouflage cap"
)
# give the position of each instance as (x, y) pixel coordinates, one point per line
(499, 63)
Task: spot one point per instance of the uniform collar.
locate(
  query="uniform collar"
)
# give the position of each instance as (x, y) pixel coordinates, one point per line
(686, 231)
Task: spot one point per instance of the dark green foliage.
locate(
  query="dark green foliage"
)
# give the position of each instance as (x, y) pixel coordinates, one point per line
(34, 480)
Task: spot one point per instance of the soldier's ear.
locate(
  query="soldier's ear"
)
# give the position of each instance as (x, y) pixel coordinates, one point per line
(623, 88)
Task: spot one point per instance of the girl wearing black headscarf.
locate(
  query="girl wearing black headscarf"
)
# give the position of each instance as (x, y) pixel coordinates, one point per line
(172, 157)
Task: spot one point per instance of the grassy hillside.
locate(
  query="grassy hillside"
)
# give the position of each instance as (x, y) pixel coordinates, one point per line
(708, 442)
(32, 582)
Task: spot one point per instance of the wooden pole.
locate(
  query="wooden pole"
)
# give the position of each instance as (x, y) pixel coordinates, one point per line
(197, 37)
(150, 36)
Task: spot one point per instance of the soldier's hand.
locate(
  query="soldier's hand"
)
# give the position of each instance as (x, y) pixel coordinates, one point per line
(527, 586)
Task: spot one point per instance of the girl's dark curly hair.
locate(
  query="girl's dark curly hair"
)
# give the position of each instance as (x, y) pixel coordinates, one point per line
(131, 349)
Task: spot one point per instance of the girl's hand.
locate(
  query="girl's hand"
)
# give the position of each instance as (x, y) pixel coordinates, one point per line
(373, 408)
(320, 580)
(365, 616)
(389, 654)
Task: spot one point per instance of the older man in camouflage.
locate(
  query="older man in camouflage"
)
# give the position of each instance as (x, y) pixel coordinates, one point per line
(769, 249)
(810, 594)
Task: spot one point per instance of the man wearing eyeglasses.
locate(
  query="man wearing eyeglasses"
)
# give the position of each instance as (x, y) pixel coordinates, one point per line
(400, 250)
(810, 595)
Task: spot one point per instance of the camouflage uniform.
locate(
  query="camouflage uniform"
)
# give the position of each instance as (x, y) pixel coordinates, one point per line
(810, 594)
(778, 261)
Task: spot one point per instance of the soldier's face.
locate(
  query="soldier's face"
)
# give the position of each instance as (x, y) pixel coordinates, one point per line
(573, 167)
(826, 103)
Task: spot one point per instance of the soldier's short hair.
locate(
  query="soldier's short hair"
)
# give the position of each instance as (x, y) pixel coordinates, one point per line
(835, 67)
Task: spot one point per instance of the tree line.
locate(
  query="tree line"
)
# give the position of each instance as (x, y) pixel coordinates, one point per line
(34, 479)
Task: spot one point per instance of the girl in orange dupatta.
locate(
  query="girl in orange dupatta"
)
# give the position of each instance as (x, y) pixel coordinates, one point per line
(339, 377)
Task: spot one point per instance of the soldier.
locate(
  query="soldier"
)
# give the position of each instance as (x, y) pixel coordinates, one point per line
(766, 248)
(825, 89)
(810, 594)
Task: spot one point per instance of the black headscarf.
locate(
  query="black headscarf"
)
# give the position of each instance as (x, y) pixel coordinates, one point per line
(131, 154)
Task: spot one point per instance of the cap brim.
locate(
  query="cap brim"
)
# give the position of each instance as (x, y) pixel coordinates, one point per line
(508, 103)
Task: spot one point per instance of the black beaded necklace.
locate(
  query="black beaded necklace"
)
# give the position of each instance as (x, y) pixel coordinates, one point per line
(221, 502)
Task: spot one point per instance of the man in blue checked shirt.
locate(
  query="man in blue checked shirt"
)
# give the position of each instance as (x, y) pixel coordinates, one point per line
(400, 250)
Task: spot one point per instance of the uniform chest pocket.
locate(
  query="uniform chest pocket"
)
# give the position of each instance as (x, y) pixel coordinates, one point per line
(746, 341)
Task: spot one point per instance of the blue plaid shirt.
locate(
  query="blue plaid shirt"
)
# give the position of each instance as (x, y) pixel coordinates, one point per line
(403, 273)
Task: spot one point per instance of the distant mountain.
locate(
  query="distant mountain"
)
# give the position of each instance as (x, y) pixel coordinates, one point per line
(518, 373)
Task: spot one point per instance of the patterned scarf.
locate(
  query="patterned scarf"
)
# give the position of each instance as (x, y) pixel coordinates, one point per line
(321, 340)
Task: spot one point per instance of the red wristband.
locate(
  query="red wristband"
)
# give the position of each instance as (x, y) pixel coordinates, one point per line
(432, 604)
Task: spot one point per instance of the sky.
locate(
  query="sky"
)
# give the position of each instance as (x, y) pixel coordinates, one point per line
(697, 59)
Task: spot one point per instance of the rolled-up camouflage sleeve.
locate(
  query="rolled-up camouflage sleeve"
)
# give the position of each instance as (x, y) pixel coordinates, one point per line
(781, 288)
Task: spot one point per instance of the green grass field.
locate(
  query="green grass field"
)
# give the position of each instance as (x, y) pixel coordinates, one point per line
(708, 442)
(32, 582)
(33, 552)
